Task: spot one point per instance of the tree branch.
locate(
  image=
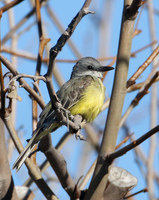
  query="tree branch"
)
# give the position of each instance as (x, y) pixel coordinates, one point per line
(33, 170)
(56, 105)
(59, 165)
(100, 177)
(148, 61)
(19, 24)
(138, 97)
(10, 5)
(46, 164)
(22, 82)
(135, 143)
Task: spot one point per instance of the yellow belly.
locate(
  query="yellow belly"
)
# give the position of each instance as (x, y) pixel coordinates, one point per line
(91, 102)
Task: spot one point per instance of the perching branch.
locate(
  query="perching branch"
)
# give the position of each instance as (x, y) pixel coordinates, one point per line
(45, 145)
(56, 105)
(58, 47)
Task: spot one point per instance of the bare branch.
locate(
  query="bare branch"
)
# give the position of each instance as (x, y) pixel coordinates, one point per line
(22, 82)
(99, 180)
(138, 97)
(34, 78)
(132, 10)
(46, 164)
(7, 187)
(149, 60)
(10, 5)
(19, 24)
(135, 143)
(143, 190)
(61, 29)
(153, 107)
(33, 170)
(58, 47)
(53, 53)
(42, 43)
(59, 165)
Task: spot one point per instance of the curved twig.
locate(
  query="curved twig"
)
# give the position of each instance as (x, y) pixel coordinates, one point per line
(22, 82)
(34, 78)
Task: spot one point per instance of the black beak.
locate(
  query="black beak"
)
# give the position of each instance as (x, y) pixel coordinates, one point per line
(105, 68)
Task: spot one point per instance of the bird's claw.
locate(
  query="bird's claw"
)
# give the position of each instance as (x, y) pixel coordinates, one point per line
(79, 136)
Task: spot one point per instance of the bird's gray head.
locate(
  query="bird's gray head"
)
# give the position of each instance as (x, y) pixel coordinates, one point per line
(89, 66)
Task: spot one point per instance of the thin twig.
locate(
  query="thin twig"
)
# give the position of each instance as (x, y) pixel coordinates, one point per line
(22, 82)
(141, 155)
(139, 17)
(123, 141)
(10, 5)
(138, 86)
(135, 143)
(27, 55)
(133, 54)
(53, 53)
(143, 190)
(58, 24)
(138, 97)
(42, 44)
(149, 60)
(19, 24)
(34, 78)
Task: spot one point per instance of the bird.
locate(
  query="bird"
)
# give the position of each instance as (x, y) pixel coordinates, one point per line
(82, 95)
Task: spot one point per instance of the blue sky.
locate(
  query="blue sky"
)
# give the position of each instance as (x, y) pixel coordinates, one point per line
(86, 38)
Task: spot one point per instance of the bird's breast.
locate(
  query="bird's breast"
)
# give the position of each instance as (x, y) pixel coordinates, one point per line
(91, 101)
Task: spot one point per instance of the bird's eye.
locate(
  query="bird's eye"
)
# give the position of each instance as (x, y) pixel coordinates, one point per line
(89, 67)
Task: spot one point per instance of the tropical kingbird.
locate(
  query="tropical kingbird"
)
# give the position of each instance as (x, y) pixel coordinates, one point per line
(82, 95)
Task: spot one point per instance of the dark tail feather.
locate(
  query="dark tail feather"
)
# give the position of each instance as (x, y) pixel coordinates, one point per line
(25, 153)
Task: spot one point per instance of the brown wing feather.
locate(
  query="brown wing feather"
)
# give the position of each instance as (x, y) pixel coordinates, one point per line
(71, 91)
(68, 94)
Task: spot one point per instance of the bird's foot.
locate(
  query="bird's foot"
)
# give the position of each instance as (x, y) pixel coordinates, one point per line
(79, 136)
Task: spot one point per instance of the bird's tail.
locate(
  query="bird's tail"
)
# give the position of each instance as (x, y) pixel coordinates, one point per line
(25, 153)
